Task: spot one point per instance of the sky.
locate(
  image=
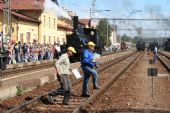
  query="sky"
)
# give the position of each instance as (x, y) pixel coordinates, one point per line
(125, 9)
(118, 8)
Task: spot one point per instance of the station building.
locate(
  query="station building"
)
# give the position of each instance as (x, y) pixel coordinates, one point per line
(24, 29)
(30, 21)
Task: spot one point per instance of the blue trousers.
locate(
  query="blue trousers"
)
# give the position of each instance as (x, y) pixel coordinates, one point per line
(18, 58)
(87, 72)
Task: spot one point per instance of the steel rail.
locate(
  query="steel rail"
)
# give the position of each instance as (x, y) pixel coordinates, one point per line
(36, 100)
(82, 108)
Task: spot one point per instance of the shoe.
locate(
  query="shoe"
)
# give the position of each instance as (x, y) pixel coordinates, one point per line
(66, 98)
(85, 95)
(65, 103)
(54, 93)
(47, 100)
(60, 90)
(96, 87)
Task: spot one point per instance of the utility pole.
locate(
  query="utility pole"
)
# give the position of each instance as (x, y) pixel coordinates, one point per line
(165, 34)
(107, 32)
(7, 27)
(92, 11)
(6, 31)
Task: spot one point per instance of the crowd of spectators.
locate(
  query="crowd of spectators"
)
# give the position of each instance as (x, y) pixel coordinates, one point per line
(29, 52)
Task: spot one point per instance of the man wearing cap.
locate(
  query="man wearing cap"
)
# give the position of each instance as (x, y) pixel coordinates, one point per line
(63, 69)
(88, 64)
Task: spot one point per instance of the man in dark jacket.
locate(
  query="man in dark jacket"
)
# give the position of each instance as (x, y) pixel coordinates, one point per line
(88, 64)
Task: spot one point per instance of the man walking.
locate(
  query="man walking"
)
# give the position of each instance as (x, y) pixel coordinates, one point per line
(63, 68)
(88, 64)
(155, 52)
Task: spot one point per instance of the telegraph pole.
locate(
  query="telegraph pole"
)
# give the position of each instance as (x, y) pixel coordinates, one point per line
(107, 31)
(7, 27)
(92, 11)
(165, 32)
(6, 32)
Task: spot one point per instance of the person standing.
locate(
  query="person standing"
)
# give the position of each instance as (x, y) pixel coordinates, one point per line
(17, 53)
(155, 52)
(63, 68)
(88, 64)
(57, 50)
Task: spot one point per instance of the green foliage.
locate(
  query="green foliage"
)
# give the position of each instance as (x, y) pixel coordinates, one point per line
(102, 27)
(135, 39)
(19, 90)
(126, 38)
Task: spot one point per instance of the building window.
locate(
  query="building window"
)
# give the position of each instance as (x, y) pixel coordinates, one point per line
(63, 40)
(44, 20)
(49, 40)
(21, 37)
(28, 37)
(49, 22)
(44, 39)
(54, 39)
(54, 23)
(58, 40)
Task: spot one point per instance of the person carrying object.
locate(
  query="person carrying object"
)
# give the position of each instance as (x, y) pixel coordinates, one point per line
(63, 70)
(88, 64)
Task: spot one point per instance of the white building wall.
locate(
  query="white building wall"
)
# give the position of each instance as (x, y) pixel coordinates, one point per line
(113, 37)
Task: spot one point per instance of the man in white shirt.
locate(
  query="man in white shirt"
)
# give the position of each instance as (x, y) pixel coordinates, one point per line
(63, 69)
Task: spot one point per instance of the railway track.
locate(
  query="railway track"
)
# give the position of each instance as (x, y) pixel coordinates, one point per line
(124, 67)
(35, 100)
(164, 58)
(15, 69)
(130, 93)
(40, 90)
(35, 106)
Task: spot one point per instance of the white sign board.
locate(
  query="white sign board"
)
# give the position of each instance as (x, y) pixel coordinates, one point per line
(76, 73)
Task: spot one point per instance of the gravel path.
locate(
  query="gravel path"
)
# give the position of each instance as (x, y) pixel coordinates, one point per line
(134, 91)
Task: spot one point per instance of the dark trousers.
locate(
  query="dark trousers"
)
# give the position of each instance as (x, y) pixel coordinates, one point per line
(66, 82)
(87, 72)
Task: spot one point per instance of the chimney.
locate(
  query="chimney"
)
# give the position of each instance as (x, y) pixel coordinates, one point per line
(75, 21)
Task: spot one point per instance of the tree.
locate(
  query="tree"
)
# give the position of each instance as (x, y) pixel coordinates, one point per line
(135, 39)
(126, 38)
(102, 27)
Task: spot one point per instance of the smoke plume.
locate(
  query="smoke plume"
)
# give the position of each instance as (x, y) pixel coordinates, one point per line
(54, 9)
(155, 12)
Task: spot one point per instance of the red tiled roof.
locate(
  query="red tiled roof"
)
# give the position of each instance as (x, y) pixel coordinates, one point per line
(69, 28)
(84, 21)
(24, 17)
(27, 4)
(20, 15)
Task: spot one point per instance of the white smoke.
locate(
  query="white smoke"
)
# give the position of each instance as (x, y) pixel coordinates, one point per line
(54, 9)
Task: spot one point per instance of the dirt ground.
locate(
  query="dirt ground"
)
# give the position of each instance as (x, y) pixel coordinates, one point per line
(135, 90)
